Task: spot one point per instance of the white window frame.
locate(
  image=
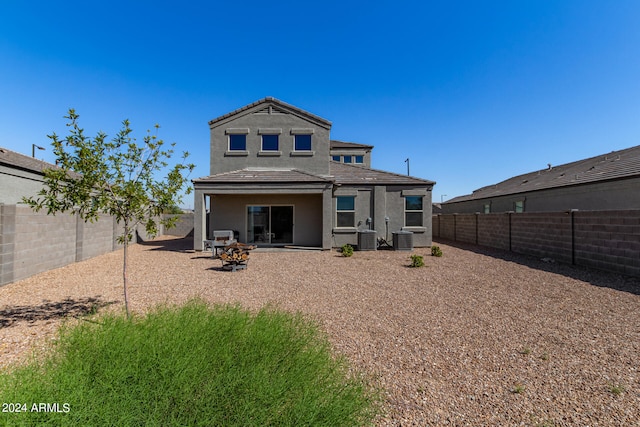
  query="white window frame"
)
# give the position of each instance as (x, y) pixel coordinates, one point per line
(346, 211)
(310, 142)
(262, 149)
(421, 211)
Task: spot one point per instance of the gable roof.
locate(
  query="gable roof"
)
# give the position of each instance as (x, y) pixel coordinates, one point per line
(615, 165)
(275, 105)
(344, 173)
(333, 144)
(20, 161)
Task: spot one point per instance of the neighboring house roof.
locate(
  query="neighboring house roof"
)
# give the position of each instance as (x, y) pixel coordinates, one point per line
(343, 173)
(615, 165)
(333, 144)
(252, 175)
(20, 161)
(277, 106)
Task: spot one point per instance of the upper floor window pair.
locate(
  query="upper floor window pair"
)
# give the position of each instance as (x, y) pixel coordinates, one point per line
(270, 142)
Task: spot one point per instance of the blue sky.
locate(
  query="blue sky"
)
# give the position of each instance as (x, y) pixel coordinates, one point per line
(473, 92)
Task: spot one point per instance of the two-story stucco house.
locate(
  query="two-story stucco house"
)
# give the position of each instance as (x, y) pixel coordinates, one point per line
(277, 178)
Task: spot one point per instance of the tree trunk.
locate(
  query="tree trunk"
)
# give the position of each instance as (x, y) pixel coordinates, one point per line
(124, 267)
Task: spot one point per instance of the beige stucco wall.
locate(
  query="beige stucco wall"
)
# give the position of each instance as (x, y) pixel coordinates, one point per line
(229, 212)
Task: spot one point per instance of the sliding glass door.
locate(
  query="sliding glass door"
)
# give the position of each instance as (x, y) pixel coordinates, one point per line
(271, 225)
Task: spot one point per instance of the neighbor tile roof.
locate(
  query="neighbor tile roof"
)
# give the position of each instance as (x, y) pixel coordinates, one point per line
(615, 165)
(349, 174)
(20, 161)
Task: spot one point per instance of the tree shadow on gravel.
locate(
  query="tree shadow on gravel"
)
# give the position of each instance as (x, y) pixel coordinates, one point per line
(604, 279)
(10, 315)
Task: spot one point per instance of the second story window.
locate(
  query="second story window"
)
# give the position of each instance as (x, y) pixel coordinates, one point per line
(302, 142)
(237, 142)
(270, 142)
(347, 159)
(335, 158)
(358, 159)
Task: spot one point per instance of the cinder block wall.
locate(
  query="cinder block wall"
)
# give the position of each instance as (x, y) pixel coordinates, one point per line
(466, 228)
(31, 242)
(183, 227)
(447, 227)
(542, 234)
(35, 242)
(94, 238)
(493, 230)
(607, 240)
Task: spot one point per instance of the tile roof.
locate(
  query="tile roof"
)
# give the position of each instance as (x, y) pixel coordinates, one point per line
(615, 165)
(20, 161)
(342, 144)
(252, 175)
(275, 102)
(349, 174)
(340, 173)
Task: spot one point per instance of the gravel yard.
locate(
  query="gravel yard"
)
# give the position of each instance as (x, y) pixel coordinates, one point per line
(478, 337)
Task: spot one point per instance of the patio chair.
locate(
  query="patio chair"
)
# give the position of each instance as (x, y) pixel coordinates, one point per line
(221, 238)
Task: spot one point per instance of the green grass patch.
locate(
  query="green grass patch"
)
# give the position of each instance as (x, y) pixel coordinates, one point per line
(192, 365)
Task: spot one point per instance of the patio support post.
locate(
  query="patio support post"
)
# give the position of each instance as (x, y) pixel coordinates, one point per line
(199, 220)
(327, 217)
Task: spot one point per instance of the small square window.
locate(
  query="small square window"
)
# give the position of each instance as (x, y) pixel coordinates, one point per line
(237, 142)
(348, 159)
(302, 142)
(269, 142)
(358, 159)
(335, 158)
(519, 206)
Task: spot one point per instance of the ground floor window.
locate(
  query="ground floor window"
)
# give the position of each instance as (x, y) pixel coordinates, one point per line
(270, 224)
(345, 211)
(413, 211)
